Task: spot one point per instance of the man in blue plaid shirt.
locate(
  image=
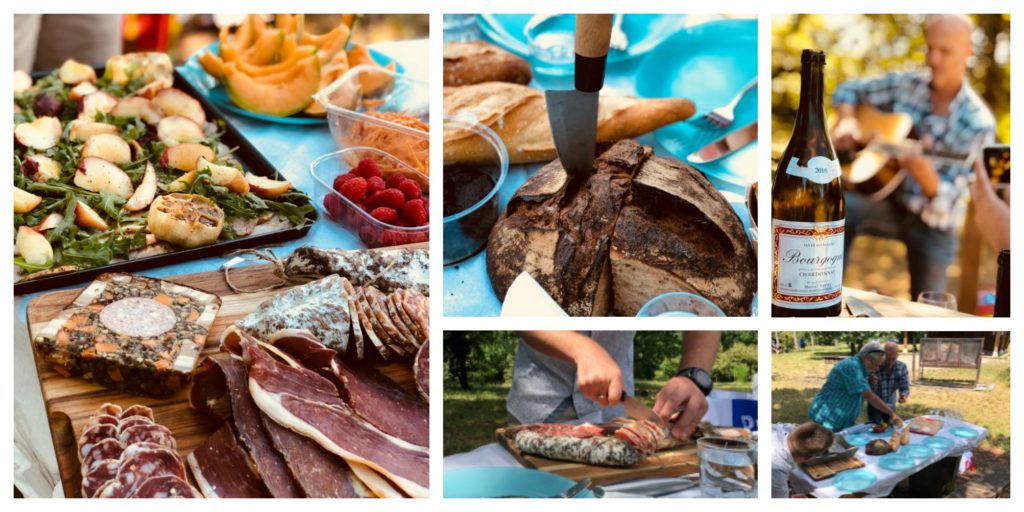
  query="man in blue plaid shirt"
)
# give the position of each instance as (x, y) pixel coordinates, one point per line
(948, 115)
(891, 382)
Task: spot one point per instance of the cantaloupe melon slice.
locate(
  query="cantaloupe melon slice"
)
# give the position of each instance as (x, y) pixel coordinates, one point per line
(212, 64)
(277, 99)
(297, 55)
(262, 52)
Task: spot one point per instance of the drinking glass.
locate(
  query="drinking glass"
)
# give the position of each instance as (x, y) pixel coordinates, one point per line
(727, 468)
(680, 304)
(944, 300)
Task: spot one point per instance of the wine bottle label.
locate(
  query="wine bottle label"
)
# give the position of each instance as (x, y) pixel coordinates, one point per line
(819, 169)
(807, 272)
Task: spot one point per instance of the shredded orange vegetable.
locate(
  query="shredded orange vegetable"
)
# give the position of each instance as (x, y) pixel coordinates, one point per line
(412, 150)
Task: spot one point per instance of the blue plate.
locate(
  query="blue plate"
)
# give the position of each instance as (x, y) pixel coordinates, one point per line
(854, 480)
(916, 451)
(939, 443)
(218, 95)
(896, 462)
(505, 481)
(709, 64)
(644, 31)
(858, 439)
(965, 432)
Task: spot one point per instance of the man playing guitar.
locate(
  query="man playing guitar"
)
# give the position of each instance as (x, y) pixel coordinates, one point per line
(926, 209)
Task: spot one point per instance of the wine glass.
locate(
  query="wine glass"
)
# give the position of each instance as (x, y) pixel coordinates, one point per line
(943, 300)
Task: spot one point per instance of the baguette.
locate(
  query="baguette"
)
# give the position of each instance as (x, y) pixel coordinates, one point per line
(518, 114)
(476, 62)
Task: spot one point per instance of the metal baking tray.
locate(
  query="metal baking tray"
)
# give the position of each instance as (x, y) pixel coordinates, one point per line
(251, 160)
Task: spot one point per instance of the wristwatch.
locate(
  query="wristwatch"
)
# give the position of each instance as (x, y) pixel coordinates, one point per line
(699, 377)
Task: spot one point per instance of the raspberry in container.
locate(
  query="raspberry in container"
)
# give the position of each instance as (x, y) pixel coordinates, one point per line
(373, 194)
(378, 108)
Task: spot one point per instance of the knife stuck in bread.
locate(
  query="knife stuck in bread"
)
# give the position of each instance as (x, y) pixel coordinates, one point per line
(518, 115)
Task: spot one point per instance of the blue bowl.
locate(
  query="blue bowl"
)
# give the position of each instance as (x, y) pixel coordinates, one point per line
(858, 439)
(964, 432)
(505, 481)
(854, 480)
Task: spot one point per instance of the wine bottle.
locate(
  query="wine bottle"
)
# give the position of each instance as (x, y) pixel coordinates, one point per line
(808, 216)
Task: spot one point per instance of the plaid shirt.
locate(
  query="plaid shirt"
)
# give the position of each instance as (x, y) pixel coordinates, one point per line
(839, 402)
(888, 382)
(969, 126)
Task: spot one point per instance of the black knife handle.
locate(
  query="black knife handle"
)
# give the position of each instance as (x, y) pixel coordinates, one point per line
(593, 35)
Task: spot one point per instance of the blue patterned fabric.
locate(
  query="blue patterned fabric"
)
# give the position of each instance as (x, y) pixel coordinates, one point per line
(839, 401)
(969, 126)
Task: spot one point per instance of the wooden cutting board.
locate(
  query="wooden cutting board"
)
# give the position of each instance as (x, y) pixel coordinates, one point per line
(673, 462)
(926, 426)
(828, 469)
(70, 401)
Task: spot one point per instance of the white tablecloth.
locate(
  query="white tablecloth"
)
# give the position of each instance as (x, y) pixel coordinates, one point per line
(887, 479)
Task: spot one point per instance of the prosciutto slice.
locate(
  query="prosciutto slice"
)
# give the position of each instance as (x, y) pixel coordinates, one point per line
(269, 463)
(308, 403)
(221, 468)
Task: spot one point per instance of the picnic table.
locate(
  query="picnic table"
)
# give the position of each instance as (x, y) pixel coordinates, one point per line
(290, 149)
(887, 479)
(897, 308)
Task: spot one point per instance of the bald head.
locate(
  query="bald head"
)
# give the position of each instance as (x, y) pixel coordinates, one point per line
(892, 352)
(949, 48)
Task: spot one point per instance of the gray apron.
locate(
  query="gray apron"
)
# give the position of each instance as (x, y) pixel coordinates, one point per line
(544, 389)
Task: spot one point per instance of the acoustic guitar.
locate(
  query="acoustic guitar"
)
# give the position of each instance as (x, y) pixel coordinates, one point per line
(872, 168)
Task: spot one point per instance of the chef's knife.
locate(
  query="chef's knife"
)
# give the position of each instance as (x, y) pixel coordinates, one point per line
(573, 113)
(861, 309)
(637, 409)
(723, 146)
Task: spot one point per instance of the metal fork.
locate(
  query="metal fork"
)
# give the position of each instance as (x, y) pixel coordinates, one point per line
(722, 117)
(619, 40)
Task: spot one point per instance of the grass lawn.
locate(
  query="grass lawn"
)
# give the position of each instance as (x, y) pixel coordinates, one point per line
(472, 416)
(797, 376)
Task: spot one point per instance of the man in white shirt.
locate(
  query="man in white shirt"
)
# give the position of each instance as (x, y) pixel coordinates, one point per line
(561, 376)
(790, 449)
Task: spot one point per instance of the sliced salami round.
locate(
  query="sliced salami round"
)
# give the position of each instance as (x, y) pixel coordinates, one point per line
(102, 472)
(148, 432)
(166, 486)
(109, 448)
(137, 410)
(111, 489)
(102, 419)
(131, 422)
(93, 435)
(109, 409)
(136, 469)
(135, 449)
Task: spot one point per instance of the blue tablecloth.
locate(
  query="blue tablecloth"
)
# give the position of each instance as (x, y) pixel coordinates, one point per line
(467, 289)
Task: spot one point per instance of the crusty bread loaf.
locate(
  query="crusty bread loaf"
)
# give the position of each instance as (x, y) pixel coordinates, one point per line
(518, 114)
(638, 227)
(475, 62)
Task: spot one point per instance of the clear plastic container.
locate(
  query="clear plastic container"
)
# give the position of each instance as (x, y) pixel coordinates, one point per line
(340, 209)
(366, 107)
(471, 203)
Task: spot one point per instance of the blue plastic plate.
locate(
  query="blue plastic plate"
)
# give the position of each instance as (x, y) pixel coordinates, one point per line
(965, 432)
(505, 481)
(896, 462)
(218, 95)
(854, 480)
(939, 443)
(858, 439)
(709, 64)
(916, 451)
(644, 31)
